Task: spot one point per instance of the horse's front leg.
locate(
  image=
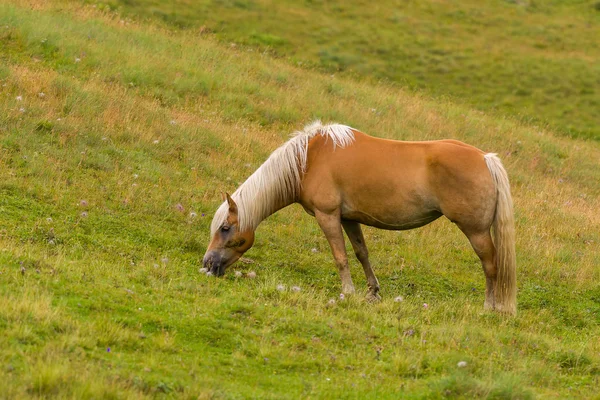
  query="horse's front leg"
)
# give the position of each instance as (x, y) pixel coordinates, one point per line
(332, 228)
(354, 232)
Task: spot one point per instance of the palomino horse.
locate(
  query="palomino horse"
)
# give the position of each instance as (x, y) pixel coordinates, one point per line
(345, 178)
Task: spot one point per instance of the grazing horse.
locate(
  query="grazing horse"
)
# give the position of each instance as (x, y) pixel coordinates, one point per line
(345, 178)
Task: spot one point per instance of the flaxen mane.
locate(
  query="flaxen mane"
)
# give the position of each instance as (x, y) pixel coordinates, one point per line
(278, 180)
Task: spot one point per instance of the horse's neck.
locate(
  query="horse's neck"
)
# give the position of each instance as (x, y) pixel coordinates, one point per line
(259, 208)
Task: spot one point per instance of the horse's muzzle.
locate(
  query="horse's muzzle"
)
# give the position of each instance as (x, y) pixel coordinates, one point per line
(214, 264)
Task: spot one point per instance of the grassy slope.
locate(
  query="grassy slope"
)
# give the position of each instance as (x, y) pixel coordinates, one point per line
(148, 119)
(534, 59)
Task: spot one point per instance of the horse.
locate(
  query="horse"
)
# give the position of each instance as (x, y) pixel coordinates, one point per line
(345, 178)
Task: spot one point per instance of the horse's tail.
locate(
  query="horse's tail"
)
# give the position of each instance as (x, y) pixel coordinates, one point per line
(505, 291)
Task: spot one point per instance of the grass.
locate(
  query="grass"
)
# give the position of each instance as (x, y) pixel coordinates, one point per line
(140, 126)
(531, 59)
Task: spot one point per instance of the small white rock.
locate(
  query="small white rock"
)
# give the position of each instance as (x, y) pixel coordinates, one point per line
(209, 273)
(461, 364)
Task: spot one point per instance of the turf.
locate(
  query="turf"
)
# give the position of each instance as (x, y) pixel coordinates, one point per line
(110, 178)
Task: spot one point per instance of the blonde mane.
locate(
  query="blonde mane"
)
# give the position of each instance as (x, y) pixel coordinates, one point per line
(277, 181)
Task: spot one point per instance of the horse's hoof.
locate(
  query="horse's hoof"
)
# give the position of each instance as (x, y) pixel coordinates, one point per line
(348, 290)
(373, 297)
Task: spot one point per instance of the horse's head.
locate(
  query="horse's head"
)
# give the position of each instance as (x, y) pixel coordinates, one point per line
(228, 242)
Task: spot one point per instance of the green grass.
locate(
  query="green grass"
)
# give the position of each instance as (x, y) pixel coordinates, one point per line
(537, 60)
(95, 253)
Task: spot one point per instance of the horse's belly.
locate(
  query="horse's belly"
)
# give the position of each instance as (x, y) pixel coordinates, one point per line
(392, 221)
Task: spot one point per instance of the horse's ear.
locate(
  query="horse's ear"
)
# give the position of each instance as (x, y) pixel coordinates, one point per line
(233, 210)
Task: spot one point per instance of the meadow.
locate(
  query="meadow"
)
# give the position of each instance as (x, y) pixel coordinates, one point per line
(536, 60)
(117, 137)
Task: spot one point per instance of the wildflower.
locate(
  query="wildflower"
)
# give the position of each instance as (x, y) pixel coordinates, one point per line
(314, 250)
(77, 59)
(156, 141)
(193, 215)
(251, 274)
(461, 364)
(342, 297)
(296, 288)
(209, 273)
(203, 270)
(135, 176)
(173, 122)
(19, 98)
(164, 260)
(399, 299)
(83, 203)
(41, 95)
(108, 350)
(331, 302)
(22, 109)
(84, 214)
(179, 207)
(203, 214)
(281, 288)
(238, 274)
(425, 306)
(48, 219)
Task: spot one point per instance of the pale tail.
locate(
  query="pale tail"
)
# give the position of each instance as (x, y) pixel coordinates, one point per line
(504, 239)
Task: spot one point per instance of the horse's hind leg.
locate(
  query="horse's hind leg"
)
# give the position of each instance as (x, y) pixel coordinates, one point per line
(331, 226)
(484, 247)
(354, 232)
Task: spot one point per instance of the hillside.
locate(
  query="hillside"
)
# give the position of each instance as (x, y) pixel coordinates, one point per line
(537, 60)
(117, 138)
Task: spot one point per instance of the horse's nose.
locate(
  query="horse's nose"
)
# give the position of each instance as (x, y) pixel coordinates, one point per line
(213, 263)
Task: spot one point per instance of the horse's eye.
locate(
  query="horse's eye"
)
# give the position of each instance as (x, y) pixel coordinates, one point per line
(224, 228)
